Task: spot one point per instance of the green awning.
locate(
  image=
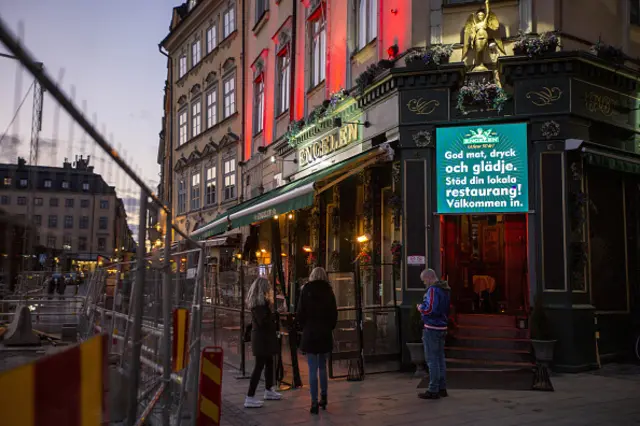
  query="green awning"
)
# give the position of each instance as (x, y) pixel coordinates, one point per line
(293, 196)
(611, 161)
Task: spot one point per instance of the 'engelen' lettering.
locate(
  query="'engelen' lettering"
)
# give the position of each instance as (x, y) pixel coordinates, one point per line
(330, 143)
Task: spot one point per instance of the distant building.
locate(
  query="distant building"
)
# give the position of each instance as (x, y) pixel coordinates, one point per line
(72, 211)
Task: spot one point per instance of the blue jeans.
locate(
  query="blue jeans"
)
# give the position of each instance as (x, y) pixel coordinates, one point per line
(434, 352)
(317, 367)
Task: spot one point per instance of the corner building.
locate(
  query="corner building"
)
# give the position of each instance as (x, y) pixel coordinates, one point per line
(513, 173)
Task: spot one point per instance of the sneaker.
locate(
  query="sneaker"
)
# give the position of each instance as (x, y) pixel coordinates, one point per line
(252, 402)
(271, 395)
(443, 393)
(429, 395)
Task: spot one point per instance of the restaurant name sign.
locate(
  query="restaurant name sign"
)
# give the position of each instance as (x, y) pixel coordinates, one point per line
(321, 148)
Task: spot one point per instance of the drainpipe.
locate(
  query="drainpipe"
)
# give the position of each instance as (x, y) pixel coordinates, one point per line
(292, 61)
(243, 62)
(166, 279)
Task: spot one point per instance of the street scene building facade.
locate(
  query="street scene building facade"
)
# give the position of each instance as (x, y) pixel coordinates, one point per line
(495, 142)
(74, 219)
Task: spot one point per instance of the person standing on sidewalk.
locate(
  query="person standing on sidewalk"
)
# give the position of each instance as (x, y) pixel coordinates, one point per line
(435, 315)
(317, 315)
(264, 341)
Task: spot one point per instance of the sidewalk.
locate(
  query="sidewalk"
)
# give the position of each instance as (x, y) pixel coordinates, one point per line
(610, 396)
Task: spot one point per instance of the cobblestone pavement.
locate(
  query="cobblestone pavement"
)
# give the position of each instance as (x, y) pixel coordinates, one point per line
(610, 396)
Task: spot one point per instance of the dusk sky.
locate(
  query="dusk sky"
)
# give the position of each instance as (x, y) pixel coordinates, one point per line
(109, 52)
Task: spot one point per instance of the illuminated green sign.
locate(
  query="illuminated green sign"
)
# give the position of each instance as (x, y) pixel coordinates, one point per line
(482, 169)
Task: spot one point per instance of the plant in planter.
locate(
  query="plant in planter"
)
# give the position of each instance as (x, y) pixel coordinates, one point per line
(432, 56)
(607, 52)
(543, 343)
(414, 342)
(535, 45)
(294, 128)
(367, 77)
(481, 95)
(396, 257)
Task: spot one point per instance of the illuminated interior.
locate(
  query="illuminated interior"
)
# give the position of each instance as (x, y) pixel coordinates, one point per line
(484, 259)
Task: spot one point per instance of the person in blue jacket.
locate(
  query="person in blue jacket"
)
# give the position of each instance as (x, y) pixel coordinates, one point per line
(435, 315)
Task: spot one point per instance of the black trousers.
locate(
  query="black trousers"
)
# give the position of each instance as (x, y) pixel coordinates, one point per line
(262, 363)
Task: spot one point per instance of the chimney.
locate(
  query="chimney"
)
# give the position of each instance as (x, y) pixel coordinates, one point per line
(66, 164)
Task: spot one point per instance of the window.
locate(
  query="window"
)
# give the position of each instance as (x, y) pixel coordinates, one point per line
(212, 108)
(261, 7)
(182, 128)
(229, 22)
(196, 118)
(210, 186)
(230, 179)
(84, 222)
(195, 191)
(53, 202)
(258, 104)
(53, 221)
(182, 196)
(212, 38)
(7, 181)
(5, 200)
(85, 186)
(84, 204)
(66, 242)
(103, 223)
(82, 243)
(23, 183)
(229, 96)
(22, 201)
(37, 220)
(102, 244)
(37, 239)
(51, 241)
(47, 183)
(634, 12)
(367, 22)
(195, 53)
(284, 82)
(68, 202)
(104, 204)
(182, 66)
(37, 201)
(318, 51)
(68, 222)
(65, 184)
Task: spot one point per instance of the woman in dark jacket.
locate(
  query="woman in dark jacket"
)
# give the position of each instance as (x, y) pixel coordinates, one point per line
(318, 315)
(264, 341)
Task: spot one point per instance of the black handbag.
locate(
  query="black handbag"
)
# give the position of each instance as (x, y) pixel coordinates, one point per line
(247, 333)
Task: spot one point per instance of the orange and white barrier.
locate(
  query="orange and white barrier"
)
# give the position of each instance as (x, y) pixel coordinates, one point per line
(67, 388)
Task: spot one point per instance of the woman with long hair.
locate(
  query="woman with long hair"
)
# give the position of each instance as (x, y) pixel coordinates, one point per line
(317, 314)
(264, 341)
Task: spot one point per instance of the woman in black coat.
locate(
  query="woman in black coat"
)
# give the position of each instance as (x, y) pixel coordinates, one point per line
(264, 341)
(318, 315)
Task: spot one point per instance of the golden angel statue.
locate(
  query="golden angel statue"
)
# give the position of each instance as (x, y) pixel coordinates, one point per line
(479, 29)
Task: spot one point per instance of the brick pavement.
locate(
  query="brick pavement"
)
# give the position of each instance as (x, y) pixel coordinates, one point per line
(607, 397)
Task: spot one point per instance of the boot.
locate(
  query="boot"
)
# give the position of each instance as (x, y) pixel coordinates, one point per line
(314, 408)
(323, 402)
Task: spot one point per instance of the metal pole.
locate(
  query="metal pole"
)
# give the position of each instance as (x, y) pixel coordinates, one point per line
(138, 299)
(194, 361)
(242, 326)
(166, 324)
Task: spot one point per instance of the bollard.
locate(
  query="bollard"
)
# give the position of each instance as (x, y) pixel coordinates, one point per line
(210, 390)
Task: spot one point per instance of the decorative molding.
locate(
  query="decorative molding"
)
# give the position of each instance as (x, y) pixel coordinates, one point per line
(545, 96)
(228, 64)
(182, 100)
(195, 90)
(550, 129)
(211, 78)
(423, 139)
